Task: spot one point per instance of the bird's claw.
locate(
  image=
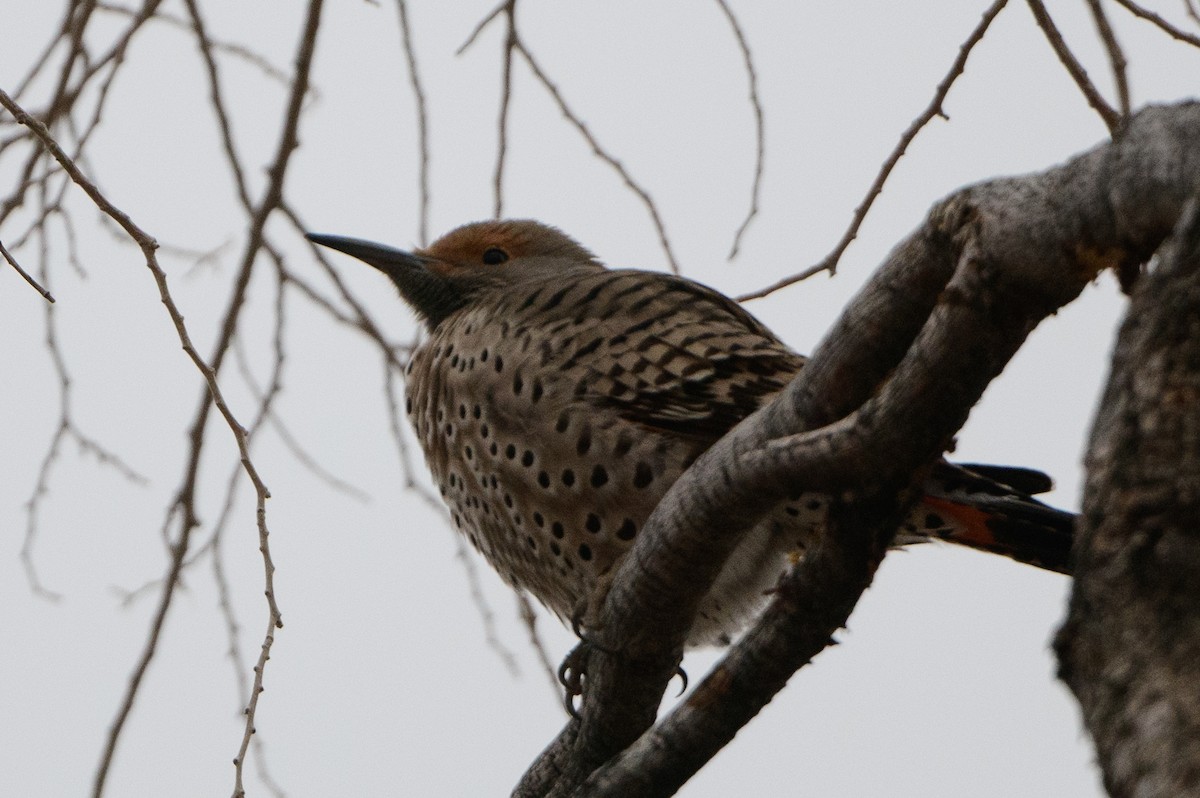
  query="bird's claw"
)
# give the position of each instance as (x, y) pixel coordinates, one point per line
(571, 674)
(683, 678)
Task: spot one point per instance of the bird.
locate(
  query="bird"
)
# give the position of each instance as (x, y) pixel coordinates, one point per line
(557, 400)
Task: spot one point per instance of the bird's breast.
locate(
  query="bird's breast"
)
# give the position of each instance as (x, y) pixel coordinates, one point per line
(548, 484)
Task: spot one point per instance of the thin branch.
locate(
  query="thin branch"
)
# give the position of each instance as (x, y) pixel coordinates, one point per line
(759, 137)
(529, 617)
(271, 201)
(266, 397)
(508, 9)
(232, 634)
(601, 153)
(1191, 11)
(32, 505)
(65, 95)
(830, 262)
(40, 62)
(238, 51)
(218, 104)
(467, 560)
(510, 43)
(263, 415)
(66, 429)
(73, 258)
(1162, 24)
(147, 244)
(1111, 118)
(24, 274)
(414, 77)
(1116, 56)
(362, 321)
(483, 23)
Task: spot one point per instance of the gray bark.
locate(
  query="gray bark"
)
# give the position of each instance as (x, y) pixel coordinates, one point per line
(1130, 649)
(880, 400)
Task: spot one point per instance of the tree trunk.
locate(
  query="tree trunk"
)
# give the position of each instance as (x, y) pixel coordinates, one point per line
(1130, 649)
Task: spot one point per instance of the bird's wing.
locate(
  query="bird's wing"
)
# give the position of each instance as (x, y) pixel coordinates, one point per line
(680, 357)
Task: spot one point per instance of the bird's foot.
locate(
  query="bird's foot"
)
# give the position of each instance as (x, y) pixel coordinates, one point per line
(571, 675)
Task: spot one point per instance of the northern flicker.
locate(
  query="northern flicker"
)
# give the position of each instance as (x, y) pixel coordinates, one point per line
(557, 400)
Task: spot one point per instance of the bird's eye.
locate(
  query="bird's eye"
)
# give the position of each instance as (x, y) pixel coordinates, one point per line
(494, 256)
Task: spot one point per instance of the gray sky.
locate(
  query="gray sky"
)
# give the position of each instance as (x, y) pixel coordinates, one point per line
(380, 683)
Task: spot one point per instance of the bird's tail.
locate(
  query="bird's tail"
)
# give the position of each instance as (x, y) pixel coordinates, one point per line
(991, 508)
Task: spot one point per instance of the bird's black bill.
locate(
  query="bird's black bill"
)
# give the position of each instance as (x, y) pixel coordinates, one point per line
(430, 294)
(388, 260)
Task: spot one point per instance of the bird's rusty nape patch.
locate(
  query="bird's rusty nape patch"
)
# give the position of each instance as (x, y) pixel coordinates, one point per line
(493, 244)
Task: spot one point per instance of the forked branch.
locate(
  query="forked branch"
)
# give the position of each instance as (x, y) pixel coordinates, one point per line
(876, 404)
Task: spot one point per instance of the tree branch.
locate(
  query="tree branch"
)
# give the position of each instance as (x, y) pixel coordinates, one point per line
(941, 317)
(25, 275)
(830, 262)
(1111, 118)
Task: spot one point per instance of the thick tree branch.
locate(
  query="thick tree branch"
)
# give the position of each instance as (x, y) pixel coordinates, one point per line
(942, 317)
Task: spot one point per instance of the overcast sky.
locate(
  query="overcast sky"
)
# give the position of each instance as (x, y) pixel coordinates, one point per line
(381, 683)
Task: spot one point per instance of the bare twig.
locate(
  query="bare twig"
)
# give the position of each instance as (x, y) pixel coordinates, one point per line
(483, 23)
(64, 97)
(24, 274)
(271, 202)
(1163, 25)
(263, 414)
(1116, 57)
(39, 63)
(493, 641)
(759, 140)
(265, 399)
(1191, 11)
(66, 429)
(236, 657)
(229, 48)
(601, 153)
(513, 43)
(147, 244)
(529, 618)
(830, 262)
(414, 78)
(510, 43)
(508, 9)
(1111, 118)
(218, 104)
(32, 504)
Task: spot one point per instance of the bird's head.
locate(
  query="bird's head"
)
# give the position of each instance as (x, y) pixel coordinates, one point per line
(445, 276)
